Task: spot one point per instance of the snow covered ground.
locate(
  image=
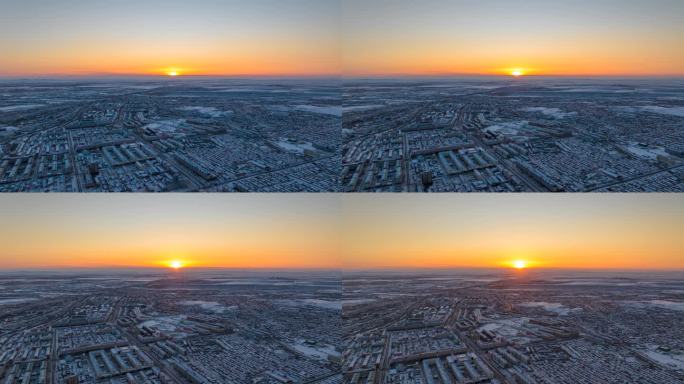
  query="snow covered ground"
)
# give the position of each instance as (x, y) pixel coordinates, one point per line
(649, 153)
(550, 307)
(295, 147)
(669, 359)
(15, 301)
(327, 304)
(359, 108)
(164, 323)
(13, 108)
(510, 128)
(664, 304)
(209, 111)
(7, 130)
(335, 111)
(208, 305)
(674, 111)
(166, 126)
(318, 351)
(552, 112)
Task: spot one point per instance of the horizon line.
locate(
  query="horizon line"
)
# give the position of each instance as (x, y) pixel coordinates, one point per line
(54, 268)
(447, 268)
(443, 75)
(162, 75)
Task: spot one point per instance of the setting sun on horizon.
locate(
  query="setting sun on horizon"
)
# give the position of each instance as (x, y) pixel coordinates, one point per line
(204, 37)
(168, 231)
(514, 232)
(563, 38)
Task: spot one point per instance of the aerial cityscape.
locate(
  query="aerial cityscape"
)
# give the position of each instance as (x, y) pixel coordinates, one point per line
(197, 326)
(341, 192)
(326, 288)
(493, 134)
(169, 135)
(513, 289)
(169, 289)
(169, 96)
(312, 96)
(519, 327)
(530, 96)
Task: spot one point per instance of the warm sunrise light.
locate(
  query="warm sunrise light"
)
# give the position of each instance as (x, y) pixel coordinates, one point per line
(518, 233)
(173, 232)
(210, 37)
(517, 72)
(463, 37)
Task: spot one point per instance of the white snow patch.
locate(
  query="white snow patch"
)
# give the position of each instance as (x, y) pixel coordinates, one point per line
(674, 111)
(295, 147)
(8, 130)
(13, 108)
(669, 359)
(549, 307)
(335, 111)
(166, 126)
(15, 301)
(209, 111)
(510, 128)
(647, 152)
(317, 351)
(208, 305)
(327, 304)
(553, 112)
(359, 108)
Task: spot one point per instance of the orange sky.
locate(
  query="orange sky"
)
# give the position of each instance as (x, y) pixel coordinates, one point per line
(579, 37)
(554, 231)
(201, 37)
(622, 231)
(236, 231)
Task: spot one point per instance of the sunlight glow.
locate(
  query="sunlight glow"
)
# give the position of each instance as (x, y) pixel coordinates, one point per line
(517, 72)
(176, 264)
(173, 73)
(519, 264)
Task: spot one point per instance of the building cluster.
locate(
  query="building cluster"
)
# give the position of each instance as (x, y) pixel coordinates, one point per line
(196, 329)
(153, 137)
(512, 330)
(510, 138)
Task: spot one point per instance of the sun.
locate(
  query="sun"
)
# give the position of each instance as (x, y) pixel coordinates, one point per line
(517, 72)
(176, 264)
(173, 73)
(519, 264)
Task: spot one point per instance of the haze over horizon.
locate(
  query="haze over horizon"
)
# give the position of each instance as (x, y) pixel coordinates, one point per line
(578, 38)
(342, 232)
(205, 37)
(245, 231)
(584, 231)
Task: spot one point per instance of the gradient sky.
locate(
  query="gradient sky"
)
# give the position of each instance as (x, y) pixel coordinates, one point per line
(201, 230)
(621, 231)
(549, 37)
(217, 37)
